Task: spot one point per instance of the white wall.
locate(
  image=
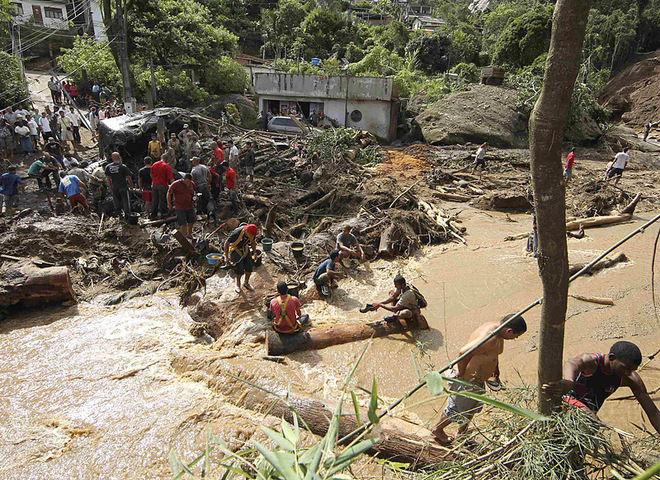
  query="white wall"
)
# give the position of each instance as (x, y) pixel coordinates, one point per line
(28, 13)
(97, 18)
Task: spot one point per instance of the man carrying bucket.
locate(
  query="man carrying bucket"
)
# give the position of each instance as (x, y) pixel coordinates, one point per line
(237, 252)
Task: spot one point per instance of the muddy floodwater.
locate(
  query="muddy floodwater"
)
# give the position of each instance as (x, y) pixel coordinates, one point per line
(90, 392)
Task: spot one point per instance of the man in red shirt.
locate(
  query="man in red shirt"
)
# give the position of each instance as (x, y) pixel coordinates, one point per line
(218, 154)
(180, 194)
(568, 168)
(161, 177)
(285, 311)
(230, 179)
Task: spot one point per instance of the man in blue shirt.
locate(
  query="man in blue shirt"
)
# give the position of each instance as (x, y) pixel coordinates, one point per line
(327, 273)
(70, 187)
(9, 185)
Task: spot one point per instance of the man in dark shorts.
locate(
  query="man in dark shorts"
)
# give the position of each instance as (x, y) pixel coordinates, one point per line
(144, 184)
(180, 196)
(327, 273)
(119, 180)
(237, 251)
(480, 159)
(590, 378)
(617, 166)
(348, 244)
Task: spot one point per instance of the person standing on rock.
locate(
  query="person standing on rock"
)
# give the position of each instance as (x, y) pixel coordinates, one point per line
(119, 180)
(180, 198)
(239, 248)
(648, 128)
(476, 369)
(480, 159)
(617, 166)
(590, 378)
(568, 167)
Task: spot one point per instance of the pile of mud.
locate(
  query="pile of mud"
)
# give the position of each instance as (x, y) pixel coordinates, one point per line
(634, 93)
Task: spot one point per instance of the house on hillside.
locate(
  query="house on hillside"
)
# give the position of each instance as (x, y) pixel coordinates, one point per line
(365, 103)
(427, 23)
(479, 6)
(254, 65)
(84, 15)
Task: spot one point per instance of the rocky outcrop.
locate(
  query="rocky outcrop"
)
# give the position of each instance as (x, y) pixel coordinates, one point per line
(480, 113)
(621, 136)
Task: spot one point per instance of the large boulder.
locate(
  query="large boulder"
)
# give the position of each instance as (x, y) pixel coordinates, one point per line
(621, 136)
(480, 113)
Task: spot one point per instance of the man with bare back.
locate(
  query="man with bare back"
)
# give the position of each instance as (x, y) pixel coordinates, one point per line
(476, 369)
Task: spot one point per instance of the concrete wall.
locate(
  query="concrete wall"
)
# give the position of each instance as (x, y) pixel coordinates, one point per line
(374, 98)
(28, 13)
(97, 20)
(378, 117)
(319, 86)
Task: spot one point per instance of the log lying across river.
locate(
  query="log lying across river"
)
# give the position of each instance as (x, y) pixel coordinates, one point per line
(316, 338)
(399, 440)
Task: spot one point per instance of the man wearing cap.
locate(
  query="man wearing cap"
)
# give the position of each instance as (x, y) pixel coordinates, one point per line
(237, 251)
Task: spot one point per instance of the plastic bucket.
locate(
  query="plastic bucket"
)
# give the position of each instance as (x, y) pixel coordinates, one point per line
(213, 258)
(133, 218)
(267, 244)
(298, 248)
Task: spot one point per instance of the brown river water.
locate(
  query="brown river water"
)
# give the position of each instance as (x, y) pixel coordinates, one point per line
(89, 392)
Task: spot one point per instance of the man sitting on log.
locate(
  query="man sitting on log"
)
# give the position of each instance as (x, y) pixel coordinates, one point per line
(476, 369)
(237, 252)
(405, 300)
(348, 244)
(590, 378)
(285, 311)
(326, 274)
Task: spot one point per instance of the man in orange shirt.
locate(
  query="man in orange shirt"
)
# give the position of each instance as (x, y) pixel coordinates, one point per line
(285, 311)
(218, 154)
(230, 179)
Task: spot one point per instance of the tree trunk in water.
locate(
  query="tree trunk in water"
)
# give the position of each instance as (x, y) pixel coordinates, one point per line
(546, 127)
(317, 338)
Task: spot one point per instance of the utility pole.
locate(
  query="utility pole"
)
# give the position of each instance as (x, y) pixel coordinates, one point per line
(123, 57)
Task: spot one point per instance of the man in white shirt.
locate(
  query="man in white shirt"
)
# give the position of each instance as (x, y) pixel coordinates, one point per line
(233, 155)
(44, 123)
(480, 159)
(75, 123)
(617, 166)
(34, 132)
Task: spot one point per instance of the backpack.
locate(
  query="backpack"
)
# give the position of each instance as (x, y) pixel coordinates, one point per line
(421, 301)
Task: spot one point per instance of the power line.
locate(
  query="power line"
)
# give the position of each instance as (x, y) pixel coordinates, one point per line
(63, 78)
(36, 33)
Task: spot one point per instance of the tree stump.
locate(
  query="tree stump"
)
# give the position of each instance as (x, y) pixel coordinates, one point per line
(26, 284)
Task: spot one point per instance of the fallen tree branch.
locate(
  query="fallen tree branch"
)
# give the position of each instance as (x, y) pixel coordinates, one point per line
(403, 193)
(598, 300)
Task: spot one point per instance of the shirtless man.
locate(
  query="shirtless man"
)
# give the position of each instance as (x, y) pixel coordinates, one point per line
(592, 377)
(476, 368)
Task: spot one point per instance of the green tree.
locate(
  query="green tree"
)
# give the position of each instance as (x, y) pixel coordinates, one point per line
(465, 44)
(225, 75)
(394, 37)
(525, 38)
(379, 61)
(89, 62)
(176, 32)
(432, 51)
(282, 26)
(12, 85)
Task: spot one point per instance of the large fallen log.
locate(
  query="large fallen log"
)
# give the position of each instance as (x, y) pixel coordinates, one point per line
(605, 263)
(317, 338)
(26, 284)
(320, 201)
(590, 222)
(399, 440)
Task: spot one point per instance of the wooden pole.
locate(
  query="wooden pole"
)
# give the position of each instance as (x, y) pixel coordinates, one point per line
(316, 338)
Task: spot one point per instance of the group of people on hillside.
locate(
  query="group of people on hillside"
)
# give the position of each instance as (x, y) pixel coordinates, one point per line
(65, 92)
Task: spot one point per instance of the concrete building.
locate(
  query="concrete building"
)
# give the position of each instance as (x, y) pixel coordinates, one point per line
(427, 23)
(365, 103)
(58, 14)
